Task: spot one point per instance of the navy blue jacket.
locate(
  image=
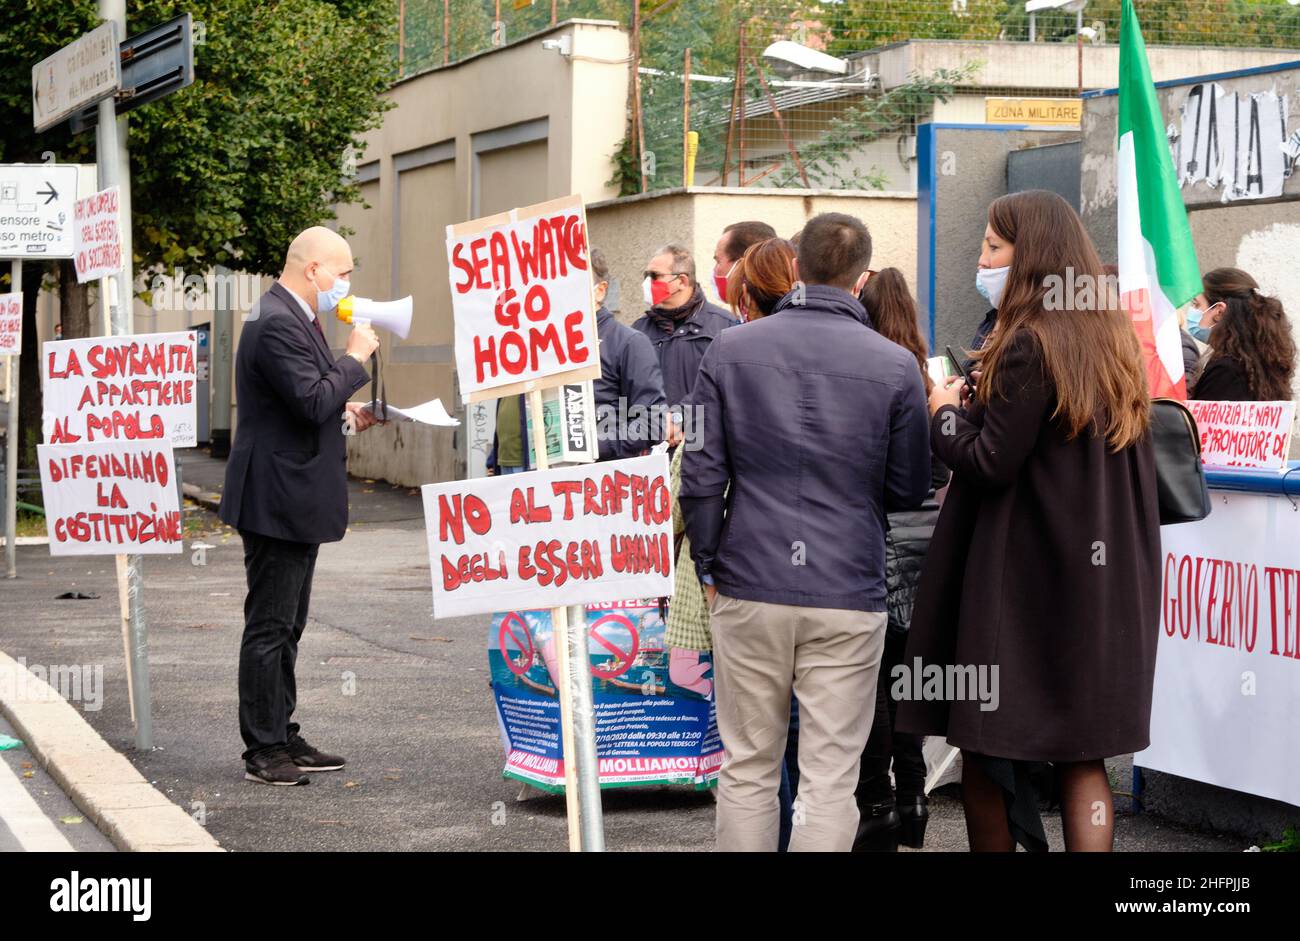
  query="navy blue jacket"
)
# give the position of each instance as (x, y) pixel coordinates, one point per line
(629, 371)
(287, 474)
(681, 351)
(819, 427)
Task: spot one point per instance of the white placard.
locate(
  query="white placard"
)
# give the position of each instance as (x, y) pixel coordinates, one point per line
(126, 388)
(111, 498)
(575, 535)
(1244, 434)
(1227, 684)
(97, 235)
(11, 324)
(521, 299)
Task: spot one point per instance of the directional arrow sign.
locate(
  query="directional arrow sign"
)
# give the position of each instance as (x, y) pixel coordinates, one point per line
(36, 209)
(81, 73)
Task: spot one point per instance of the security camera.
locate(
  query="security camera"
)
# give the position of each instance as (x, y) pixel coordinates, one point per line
(563, 45)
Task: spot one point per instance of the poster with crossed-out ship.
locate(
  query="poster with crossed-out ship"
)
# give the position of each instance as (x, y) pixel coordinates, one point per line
(649, 729)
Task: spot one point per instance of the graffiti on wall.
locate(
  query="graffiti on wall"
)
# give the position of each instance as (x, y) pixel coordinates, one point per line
(1233, 141)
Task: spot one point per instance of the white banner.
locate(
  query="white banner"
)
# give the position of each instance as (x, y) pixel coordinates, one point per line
(110, 498)
(126, 388)
(11, 324)
(97, 235)
(575, 535)
(1227, 686)
(521, 299)
(1244, 434)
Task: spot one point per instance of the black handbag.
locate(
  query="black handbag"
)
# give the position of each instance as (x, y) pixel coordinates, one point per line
(1180, 475)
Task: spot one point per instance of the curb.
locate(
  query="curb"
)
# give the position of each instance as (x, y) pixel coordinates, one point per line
(206, 499)
(104, 785)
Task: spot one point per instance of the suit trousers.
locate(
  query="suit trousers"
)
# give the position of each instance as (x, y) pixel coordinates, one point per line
(830, 659)
(279, 576)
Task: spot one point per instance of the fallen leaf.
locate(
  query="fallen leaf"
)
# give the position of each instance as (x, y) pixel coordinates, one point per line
(350, 784)
(70, 820)
(28, 774)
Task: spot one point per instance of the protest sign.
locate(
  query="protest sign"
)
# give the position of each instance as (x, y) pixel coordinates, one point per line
(550, 538)
(1228, 663)
(125, 388)
(97, 235)
(11, 324)
(1244, 434)
(649, 730)
(521, 300)
(569, 419)
(110, 497)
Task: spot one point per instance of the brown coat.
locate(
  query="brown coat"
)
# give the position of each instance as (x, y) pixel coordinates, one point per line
(1045, 562)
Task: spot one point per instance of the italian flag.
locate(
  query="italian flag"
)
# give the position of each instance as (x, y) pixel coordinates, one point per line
(1158, 272)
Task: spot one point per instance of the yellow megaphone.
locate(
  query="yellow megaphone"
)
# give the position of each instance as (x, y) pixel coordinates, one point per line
(391, 315)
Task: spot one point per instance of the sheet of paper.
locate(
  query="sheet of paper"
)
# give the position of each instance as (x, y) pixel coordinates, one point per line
(426, 413)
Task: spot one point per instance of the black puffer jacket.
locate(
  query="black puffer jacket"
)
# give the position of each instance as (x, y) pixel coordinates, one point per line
(906, 542)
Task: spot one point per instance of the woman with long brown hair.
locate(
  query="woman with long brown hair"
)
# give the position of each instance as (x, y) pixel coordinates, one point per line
(1254, 353)
(1042, 581)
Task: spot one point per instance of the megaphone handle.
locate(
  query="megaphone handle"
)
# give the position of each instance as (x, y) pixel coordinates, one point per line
(377, 387)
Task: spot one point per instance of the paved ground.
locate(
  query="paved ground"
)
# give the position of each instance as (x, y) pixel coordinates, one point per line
(35, 815)
(403, 697)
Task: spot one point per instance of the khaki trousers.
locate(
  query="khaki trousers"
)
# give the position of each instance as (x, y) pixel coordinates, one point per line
(831, 658)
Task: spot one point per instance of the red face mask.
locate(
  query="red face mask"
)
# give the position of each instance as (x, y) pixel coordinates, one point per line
(720, 281)
(659, 291)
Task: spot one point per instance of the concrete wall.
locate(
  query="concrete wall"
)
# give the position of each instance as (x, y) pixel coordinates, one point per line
(965, 169)
(628, 229)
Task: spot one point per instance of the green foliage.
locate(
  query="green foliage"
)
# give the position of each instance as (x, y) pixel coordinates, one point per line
(1290, 842)
(230, 169)
(827, 160)
(855, 25)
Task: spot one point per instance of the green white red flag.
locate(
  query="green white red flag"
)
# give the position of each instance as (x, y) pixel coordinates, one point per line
(1158, 272)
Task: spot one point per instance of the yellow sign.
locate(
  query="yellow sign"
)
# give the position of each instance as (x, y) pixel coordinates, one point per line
(1037, 111)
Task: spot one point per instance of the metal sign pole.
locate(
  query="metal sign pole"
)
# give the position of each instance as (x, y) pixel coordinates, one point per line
(115, 170)
(577, 715)
(11, 443)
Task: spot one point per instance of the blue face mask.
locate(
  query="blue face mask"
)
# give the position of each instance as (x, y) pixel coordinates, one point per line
(326, 301)
(1194, 317)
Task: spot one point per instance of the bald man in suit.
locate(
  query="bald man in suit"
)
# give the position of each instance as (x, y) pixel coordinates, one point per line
(286, 487)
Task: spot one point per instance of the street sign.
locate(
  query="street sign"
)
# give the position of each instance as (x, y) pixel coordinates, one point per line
(155, 63)
(1051, 112)
(36, 209)
(79, 74)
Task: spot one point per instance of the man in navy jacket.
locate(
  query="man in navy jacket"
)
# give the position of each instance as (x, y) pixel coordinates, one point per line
(286, 487)
(813, 427)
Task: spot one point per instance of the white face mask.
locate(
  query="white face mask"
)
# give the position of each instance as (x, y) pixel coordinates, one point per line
(645, 293)
(991, 282)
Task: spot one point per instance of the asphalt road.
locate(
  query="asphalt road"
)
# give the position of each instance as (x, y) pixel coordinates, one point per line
(403, 697)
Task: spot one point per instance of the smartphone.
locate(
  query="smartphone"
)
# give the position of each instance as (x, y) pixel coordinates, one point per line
(961, 368)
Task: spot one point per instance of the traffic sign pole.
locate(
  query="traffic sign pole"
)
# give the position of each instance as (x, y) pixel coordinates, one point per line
(112, 155)
(11, 444)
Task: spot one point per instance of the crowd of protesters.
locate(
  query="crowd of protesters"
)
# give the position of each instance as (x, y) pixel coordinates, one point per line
(844, 515)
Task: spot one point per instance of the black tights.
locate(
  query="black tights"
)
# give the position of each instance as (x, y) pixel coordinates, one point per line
(1087, 812)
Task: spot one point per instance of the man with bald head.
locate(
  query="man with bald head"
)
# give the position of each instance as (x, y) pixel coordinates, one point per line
(286, 486)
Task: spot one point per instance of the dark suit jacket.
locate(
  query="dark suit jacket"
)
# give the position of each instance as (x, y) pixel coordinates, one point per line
(287, 472)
